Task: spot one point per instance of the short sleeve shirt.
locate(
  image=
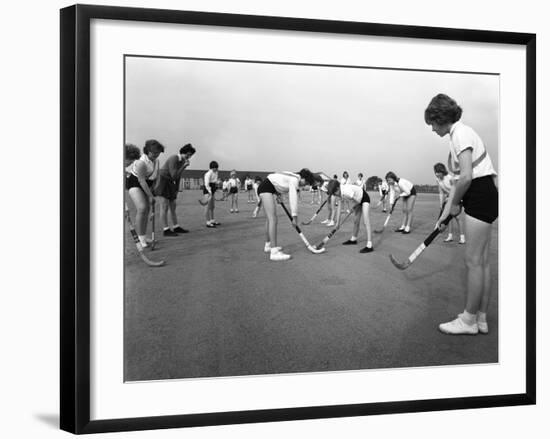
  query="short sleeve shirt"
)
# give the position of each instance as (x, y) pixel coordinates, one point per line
(463, 137)
(351, 192)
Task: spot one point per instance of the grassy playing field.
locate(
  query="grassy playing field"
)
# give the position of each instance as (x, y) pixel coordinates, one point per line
(219, 307)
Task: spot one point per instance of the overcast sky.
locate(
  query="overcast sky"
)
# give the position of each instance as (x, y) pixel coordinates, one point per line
(264, 117)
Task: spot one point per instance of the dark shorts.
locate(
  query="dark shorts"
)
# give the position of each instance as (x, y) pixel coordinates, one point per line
(233, 190)
(481, 199)
(413, 192)
(384, 192)
(132, 181)
(366, 198)
(266, 187)
(213, 187)
(249, 187)
(167, 188)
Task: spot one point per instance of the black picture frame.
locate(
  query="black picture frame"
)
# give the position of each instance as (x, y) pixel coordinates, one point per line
(75, 217)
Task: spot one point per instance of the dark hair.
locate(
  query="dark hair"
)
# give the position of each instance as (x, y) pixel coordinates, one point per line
(213, 164)
(332, 187)
(131, 152)
(392, 176)
(335, 177)
(442, 110)
(309, 176)
(152, 146)
(344, 173)
(360, 174)
(440, 167)
(187, 149)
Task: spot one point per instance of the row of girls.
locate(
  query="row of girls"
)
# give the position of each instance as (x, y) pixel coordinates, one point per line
(473, 189)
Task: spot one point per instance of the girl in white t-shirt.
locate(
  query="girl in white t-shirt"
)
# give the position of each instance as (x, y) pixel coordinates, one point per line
(272, 187)
(249, 185)
(345, 180)
(360, 200)
(476, 189)
(140, 179)
(210, 186)
(405, 190)
(446, 191)
(387, 195)
(255, 186)
(233, 185)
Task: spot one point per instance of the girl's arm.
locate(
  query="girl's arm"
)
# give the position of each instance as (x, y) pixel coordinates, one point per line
(338, 210)
(441, 197)
(464, 181)
(404, 188)
(206, 179)
(180, 171)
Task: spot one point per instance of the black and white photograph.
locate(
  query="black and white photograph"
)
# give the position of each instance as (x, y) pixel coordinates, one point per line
(288, 218)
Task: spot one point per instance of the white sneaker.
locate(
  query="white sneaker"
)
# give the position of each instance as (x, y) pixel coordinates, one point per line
(330, 223)
(325, 221)
(462, 240)
(267, 247)
(458, 326)
(278, 255)
(483, 327)
(449, 238)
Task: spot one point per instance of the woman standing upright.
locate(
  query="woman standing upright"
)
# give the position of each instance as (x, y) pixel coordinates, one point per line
(477, 191)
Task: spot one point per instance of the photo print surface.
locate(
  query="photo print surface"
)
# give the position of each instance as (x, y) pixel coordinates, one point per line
(280, 192)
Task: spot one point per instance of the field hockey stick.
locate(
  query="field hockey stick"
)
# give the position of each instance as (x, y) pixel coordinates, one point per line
(308, 245)
(307, 223)
(333, 231)
(204, 203)
(137, 242)
(420, 248)
(388, 217)
(153, 214)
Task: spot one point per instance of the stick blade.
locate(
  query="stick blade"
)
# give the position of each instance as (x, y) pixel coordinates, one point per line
(399, 265)
(151, 263)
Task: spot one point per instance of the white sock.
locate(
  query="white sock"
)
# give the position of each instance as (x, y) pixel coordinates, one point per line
(450, 236)
(482, 317)
(142, 239)
(353, 238)
(274, 250)
(407, 229)
(166, 228)
(369, 244)
(176, 226)
(468, 318)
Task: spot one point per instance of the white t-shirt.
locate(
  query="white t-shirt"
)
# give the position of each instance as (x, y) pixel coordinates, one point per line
(144, 167)
(463, 137)
(287, 182)
(344, 180)
(210, 177)
(234, 182)
(351, 192)
(405, 186)
(445, 184)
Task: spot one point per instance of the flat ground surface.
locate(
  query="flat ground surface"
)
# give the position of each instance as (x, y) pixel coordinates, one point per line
(219, 307)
